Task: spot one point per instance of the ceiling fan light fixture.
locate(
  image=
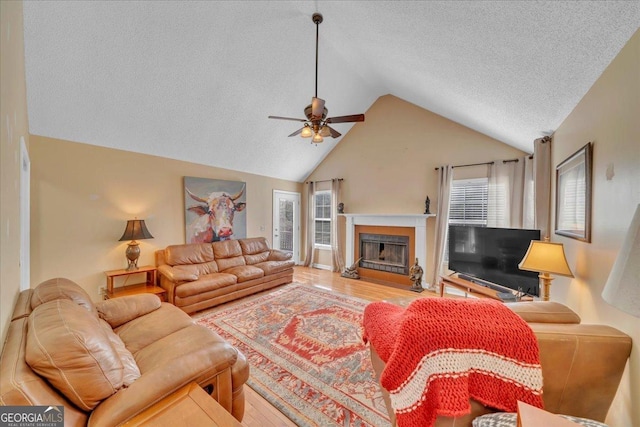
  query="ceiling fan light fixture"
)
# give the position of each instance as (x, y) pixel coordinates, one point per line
(317, 138)
(306, 132)
(324, 131)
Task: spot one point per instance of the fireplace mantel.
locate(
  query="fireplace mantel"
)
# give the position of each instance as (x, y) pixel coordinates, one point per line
(417, 221)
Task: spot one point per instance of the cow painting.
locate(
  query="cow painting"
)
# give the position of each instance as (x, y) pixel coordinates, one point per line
(212, 217)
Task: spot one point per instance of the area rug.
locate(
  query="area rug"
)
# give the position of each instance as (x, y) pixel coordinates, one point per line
(306, 353)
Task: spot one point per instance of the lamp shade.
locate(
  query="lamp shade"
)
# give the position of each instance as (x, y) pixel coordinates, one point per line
(546, 257)
(136, 230)
(622, 289)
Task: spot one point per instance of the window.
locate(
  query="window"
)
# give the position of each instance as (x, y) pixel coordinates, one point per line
(323, 218)
(469, 200)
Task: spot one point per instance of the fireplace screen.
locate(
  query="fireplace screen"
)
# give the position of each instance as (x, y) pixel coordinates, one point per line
(384, 253)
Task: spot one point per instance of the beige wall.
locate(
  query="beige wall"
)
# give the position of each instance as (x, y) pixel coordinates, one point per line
(14, 125)
(609, 116)
(388, 162)
(82, 196)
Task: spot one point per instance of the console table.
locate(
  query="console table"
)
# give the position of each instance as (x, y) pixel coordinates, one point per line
(468, 288)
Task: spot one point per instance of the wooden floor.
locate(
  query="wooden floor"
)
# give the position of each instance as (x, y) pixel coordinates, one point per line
(258, 412)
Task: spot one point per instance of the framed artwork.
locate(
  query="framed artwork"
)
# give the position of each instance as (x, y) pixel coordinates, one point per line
(573, 195)
(214, 210)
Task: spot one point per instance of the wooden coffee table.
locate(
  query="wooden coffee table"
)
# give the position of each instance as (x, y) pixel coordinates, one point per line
(190, 406)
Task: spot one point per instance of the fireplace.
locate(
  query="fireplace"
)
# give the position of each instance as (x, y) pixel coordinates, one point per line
(384, 252)
(411, 226)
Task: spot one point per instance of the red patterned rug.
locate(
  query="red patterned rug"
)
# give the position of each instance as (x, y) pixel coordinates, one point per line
(307, 358)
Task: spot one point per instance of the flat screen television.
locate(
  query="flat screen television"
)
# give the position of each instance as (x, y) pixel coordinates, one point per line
(492, 255)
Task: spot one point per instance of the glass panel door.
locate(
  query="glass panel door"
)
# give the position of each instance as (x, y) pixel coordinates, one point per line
(286, 222)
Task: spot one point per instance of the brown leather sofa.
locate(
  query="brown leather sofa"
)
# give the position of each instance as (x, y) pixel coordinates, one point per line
(197, 276)
(581, 364)
(107, 362)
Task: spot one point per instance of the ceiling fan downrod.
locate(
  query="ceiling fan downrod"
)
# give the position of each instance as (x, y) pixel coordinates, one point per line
(317, 19)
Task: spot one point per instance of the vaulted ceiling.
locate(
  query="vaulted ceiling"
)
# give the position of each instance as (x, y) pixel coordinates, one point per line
(196, 80)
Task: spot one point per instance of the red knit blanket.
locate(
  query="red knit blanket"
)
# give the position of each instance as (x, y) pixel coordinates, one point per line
(441, 352)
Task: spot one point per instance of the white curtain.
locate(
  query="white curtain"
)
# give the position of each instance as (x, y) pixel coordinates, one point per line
(445, 176)
(311, 224)
(336, 251)
(529, 200)
(542, 185)
(510, 194)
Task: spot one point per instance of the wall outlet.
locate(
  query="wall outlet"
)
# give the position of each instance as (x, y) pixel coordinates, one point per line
(102, 290)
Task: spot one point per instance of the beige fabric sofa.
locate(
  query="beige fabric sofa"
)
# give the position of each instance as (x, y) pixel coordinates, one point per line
(581, 364)
(197, 276)
(106, 363)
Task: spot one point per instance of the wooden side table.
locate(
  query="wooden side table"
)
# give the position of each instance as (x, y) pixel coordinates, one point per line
(187, 407)
(148, 286)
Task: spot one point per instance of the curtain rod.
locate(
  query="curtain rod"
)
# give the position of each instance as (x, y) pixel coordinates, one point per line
(486, 163)
(324, 180)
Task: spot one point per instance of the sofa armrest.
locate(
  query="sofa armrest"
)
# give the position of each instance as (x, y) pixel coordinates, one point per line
(278, 255)
(176, 274)
(148, 390)
(118, 311)
(544, 312)
(581, 365)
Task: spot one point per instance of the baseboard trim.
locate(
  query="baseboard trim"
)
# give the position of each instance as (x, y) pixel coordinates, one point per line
(322, 267)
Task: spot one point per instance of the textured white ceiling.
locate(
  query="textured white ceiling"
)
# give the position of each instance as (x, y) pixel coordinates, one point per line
(196, 80)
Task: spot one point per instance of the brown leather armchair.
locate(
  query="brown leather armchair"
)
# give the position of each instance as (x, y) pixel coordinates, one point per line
(106, 363)
(581, 364)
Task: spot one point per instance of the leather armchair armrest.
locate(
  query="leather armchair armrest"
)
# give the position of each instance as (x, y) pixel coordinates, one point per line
(278, 255)
(544, 312)
(118, 311)
(143, 393)
(176, 274)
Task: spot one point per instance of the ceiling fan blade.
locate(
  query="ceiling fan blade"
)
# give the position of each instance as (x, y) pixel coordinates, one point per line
(334, 133)
(346, 119)
(296, 132)
(317, 107)
(287, 118)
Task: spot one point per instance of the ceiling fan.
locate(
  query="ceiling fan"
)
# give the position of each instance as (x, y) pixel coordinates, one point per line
(316, 125)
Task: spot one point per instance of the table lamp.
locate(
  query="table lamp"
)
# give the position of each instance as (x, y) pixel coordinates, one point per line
(135, 230)
(546, 258)
(622, 289)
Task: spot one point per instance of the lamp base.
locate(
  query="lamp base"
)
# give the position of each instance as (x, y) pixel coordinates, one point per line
(132, 253)
(546, 279)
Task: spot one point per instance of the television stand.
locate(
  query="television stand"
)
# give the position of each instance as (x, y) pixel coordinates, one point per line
(468, 287)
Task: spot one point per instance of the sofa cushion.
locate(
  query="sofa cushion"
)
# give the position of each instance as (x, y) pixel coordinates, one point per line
(254, 245)
(118, 311)
(67, 346)
(206, 283)
(61, 288)
(226, 249)
(202, 352)
(145, 330)
(193, 253)
(227, 263)
(131, 371)
(256, 258)
(244, 273)
(199, 269)
(272, 267)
